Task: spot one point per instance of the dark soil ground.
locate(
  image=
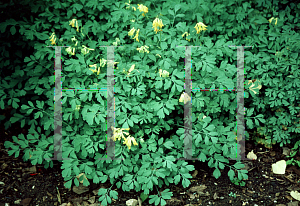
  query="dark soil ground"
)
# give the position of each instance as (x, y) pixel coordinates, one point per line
(25, 184)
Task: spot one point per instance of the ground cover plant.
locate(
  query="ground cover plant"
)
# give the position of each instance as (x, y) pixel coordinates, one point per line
(149, 85)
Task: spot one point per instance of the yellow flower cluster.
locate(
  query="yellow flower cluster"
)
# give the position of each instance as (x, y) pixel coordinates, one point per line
(131, 33)
(143, 8)
(163, 73)
(119, 133)
(102, 64)
(187, 34)
(116, 42)
(200, 27)
(73, 22)
(157, 23)
(128, 6)
(52, 38)
(270, 20)
(131, 69)
(95, 70)
(143, 49)
(184, 98)
(85, 50)
(77, 107)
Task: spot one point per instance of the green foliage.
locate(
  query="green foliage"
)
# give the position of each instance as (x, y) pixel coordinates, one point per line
(149, 81)
(295, 150)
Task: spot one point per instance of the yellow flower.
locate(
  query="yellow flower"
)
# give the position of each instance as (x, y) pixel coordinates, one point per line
(143, 8)
(128, 6)
(102, 62)
(116, 42)
(52, 38)
(143, 49)
(110, 63)
(270, 20)
(136, 35)
(95, 70)
(187, 34)
(74, 39)
(157, 23)
(158, 55)
(118, 133)
(85, 50)
(72, 23)
(130, 70)
(128, 142)
(184, 98)
(163, 73)
(131, 32)
(200, 27)
(69, 51)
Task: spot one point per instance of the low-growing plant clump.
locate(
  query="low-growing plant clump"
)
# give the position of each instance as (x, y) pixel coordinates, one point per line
(150, 42)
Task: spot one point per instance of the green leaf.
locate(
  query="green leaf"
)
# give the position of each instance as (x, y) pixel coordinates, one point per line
(29, 111)
(76, 170)
(152, 57)
(143, 196)
(166, 194)
(238, 165)
(158, 84)
(217, 173)
(15, 105)
(27, 59)
(125, 125)
(13, 30)
(163, 45)
(210, 127)
(24, 107)
(14, 119)
(249, 122)
(167, 65)
(68, 184)
(90, 117)
(169, 144)
(177, 7)
(113, 194)
(180, 15)
(66, 172)
(135, 57)
(31, 63)
(171, 12)
(22, 123)
(176, 179)
(36, 115)
(231, 174)
(40, 104)
(30, 103)
(185, 183)
(76, 182)
(130, 122)
(167, 84)
(250, 112)
(161, 113)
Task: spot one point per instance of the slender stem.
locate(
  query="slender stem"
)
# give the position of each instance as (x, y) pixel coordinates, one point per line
(160, 37)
